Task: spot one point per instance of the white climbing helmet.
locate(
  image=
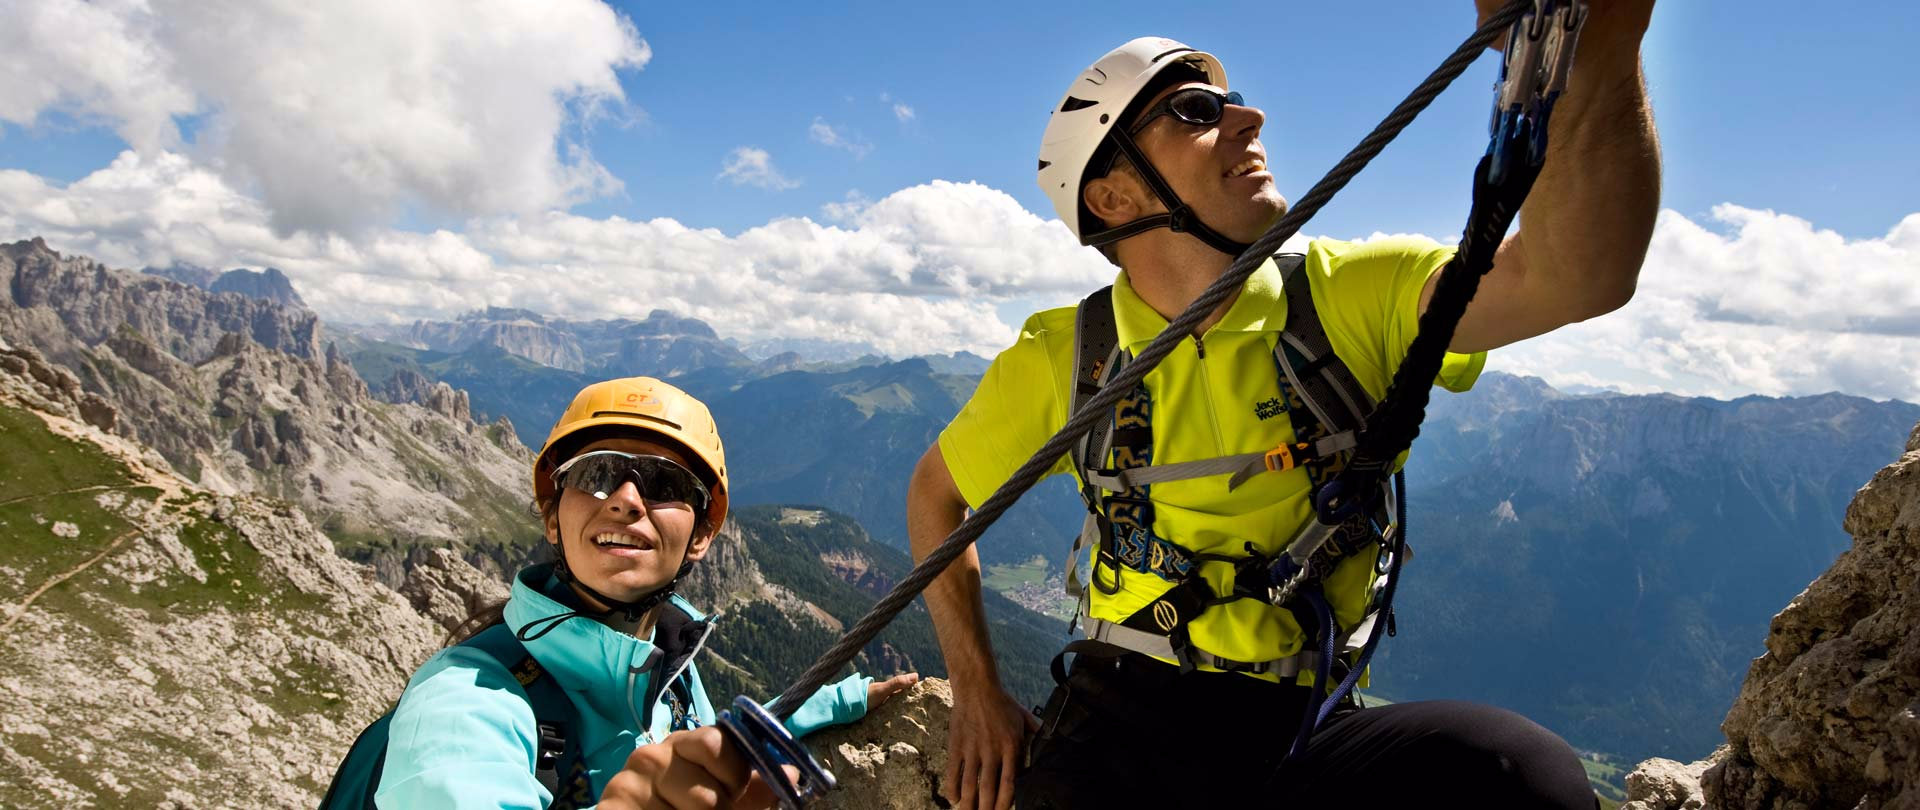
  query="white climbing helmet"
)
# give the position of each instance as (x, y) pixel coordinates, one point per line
(1091, 107)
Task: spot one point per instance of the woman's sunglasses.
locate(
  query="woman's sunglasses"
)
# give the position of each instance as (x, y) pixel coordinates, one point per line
(659, 480)
(1198, 106)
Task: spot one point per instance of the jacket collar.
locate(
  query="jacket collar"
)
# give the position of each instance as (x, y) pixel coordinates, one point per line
(1261, 307)
(595, 662)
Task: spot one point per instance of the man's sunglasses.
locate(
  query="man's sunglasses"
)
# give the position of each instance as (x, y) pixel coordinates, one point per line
(1198, 106)
(659, 480)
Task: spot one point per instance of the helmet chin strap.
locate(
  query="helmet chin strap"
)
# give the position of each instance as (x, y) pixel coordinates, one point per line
(630, 610)
(1179, 218)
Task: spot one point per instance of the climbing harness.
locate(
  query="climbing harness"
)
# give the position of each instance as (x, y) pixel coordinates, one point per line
(1327, 407)
(1537, 61)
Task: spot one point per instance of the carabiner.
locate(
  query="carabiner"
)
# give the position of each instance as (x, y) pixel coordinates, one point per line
(1538, 60)
(768, 745)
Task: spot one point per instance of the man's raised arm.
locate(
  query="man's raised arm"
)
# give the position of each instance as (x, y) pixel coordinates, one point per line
(1586, 224)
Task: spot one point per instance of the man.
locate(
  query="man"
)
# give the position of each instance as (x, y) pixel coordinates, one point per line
(1133, 730)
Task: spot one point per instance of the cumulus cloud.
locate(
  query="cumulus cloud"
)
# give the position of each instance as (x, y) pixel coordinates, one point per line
(1749, 301)
(847, 208)
(923, 270)
(1766, 304)
(828, 135)
(462, 107)
(97, 62)
(752, 166)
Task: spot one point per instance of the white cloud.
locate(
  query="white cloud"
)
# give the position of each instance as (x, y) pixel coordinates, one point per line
(462, 107)
(751, 166)
(901, 112)
(1773, 306)
(96, 61)
(1765, 304)
(922, 270)
(848, 208)
(828, 135)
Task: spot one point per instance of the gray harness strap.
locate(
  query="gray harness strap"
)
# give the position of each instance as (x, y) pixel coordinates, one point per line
(1324, 382)
(1243, 466)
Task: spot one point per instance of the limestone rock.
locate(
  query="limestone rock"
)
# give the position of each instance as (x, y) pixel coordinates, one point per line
(892, 759)
(448, 589)
(237, 395)
(217, 652)
(1663, 784)
(1826, 717)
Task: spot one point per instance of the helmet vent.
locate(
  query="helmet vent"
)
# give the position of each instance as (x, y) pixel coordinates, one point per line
(1044, 164)
(1072, 104)
(1164, 54)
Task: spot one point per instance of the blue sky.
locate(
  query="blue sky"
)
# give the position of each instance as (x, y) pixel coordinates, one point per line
(1762, 104)
(1783, 129)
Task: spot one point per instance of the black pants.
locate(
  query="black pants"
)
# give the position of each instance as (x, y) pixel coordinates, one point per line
(1134, 732)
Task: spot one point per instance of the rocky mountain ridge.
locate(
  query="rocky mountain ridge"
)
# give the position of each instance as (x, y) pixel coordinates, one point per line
(664, 342)
(1633, 529)
(244, 395)
(165, 645)
(1829, 716)
(268, 284)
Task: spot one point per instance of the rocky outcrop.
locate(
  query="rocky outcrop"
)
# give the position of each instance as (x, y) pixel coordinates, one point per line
(1827, 717)
(92, 301)
(447, 589)
(176, 647)
(267, 285)
(893, 759)
(236, 395)
(31, 379)
(192, 275)
(1663, 784)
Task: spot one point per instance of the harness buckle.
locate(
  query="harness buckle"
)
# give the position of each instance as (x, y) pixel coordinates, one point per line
(1282, 458)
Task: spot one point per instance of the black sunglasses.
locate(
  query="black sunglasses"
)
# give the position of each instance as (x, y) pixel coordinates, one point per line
(1198, 106)
(659, 480)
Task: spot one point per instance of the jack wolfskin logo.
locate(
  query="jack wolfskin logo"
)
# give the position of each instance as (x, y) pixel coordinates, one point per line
(1269, 409)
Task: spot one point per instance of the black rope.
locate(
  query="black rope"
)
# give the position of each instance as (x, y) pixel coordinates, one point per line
(1229, 283)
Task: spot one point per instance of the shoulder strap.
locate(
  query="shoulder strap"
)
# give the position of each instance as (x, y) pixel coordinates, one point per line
(1306, 356)
(358, 776)
(1096, 351)
(554, 717)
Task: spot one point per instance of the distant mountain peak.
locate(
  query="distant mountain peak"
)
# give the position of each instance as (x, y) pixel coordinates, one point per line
(267, 285)
(500, 314)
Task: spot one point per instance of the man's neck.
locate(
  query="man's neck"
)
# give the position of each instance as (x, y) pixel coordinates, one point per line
(1170, 270)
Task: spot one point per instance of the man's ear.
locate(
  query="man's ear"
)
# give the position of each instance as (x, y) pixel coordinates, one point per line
(1115, 199)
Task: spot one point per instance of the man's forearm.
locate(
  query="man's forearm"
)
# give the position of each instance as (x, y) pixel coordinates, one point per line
(953, 600)
(1586, 225)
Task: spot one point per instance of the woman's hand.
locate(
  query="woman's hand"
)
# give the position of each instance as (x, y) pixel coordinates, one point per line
(879, 691)
(690, 769)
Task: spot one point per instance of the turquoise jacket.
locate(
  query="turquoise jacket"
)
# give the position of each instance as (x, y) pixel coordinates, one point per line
(463, 735)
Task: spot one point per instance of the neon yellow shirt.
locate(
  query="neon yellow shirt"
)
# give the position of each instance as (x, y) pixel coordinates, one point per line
(1207, 402)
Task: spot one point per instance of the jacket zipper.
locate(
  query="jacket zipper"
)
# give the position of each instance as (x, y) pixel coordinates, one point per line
(1206, 384)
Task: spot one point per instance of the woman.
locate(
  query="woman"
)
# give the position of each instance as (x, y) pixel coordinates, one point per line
(632, 487)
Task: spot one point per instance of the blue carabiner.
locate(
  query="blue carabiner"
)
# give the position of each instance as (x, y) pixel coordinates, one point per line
(768, 745)
(1533, 74)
